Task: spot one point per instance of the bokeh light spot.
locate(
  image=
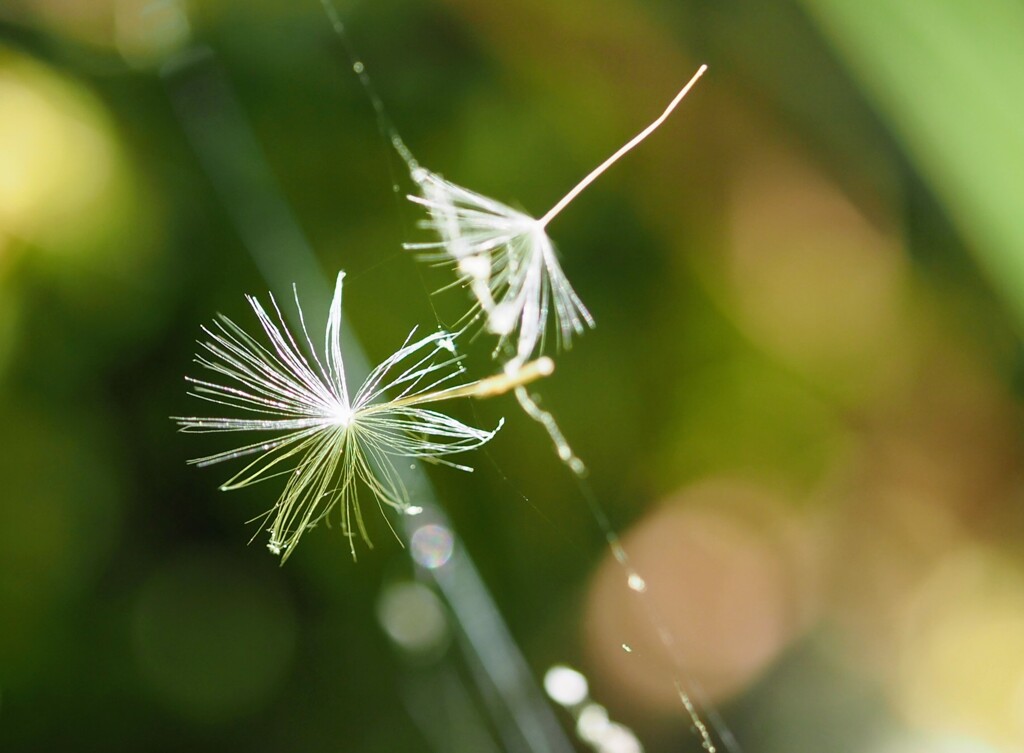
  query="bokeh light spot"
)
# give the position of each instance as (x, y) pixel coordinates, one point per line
(961, 665)
(147, 31)
(636, 582)
(592, 723)
(565, 686)
(57, 157)
(937, 744)
(414, 617)
(618, 739)
(717, 571)
(432, 545)
(813, 280)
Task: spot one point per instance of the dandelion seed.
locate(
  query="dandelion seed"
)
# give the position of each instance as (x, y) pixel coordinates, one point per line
(508, 261)
(325, 440)
(506, 257)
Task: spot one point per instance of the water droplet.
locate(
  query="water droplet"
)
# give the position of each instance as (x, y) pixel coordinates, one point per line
(565, 686)
(592, 723)
(637, 583)
(616, 738)
(358, 67)
(619, 552)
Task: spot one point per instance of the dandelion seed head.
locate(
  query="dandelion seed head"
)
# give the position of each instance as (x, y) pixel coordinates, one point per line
(475, 266)
(506, 255)
(323, 440)
(508, 262)
(342, 414)
(502, 319)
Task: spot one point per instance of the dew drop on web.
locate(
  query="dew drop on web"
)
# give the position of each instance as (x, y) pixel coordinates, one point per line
(565, 685)
(636, 582)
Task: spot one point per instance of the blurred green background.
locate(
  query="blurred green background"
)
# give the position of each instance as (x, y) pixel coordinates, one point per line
(800, 406)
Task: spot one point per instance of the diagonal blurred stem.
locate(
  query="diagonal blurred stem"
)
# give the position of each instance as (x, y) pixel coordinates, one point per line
(231, 156)
(946, 76)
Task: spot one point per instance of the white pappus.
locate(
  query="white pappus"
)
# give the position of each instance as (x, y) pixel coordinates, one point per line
(506, 256)
(323, 439)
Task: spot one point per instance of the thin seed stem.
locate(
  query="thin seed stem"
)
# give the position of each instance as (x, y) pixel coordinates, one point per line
(596, 173)
(492, 386)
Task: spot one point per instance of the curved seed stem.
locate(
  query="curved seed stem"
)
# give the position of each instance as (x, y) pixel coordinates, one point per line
(491, 386)
(596, 173)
